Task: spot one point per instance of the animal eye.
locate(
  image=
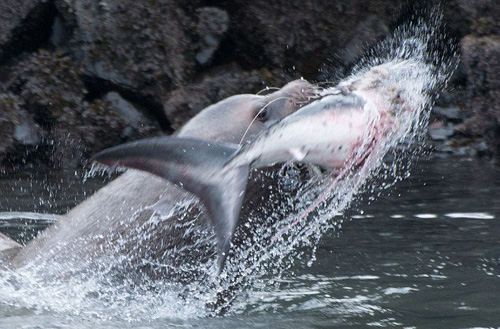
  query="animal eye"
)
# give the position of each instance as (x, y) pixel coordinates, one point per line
(262, 115)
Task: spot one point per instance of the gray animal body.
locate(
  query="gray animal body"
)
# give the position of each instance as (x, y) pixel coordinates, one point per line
(327, 132)
(119, 208)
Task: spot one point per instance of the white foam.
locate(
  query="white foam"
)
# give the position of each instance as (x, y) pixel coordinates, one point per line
(103, 288)
(28, 215)
(399, 291)
(426, 216)
(470, 215)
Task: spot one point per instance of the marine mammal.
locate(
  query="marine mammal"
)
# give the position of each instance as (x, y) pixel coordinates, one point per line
(344, 122)
(244, 116)
(128, 201)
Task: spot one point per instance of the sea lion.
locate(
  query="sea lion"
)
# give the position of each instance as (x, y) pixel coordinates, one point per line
(110, 221)
(343, 124)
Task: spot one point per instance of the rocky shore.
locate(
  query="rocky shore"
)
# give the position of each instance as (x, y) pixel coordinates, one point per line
(77, 76)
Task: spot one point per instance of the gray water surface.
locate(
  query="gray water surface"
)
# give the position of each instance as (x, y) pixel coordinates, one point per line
(41, 192)
(425, 256)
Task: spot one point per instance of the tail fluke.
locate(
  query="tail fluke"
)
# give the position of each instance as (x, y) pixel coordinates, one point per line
(198, 167)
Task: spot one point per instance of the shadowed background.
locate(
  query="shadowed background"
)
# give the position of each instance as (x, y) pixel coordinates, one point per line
(77, 76)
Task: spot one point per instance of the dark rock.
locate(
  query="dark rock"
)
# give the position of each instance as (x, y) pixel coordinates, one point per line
(481, 56)
(56, 118)
(440, 131)
(184, 103)
(66, 147)
(451, 113)
(212, 25)
(457, 20)
(299, 34)
(9, 118)
(28, 132)
(11, 15)
(483, 15)
(469, 147)
(24, 26)
(60, 34)
(137, 124)
(50, 85)
(134, 45)
(366, 32)
(99, 125)
(103, 72)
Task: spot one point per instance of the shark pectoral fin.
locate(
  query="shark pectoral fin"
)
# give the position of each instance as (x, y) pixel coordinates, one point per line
(200, 168)
(297, 154)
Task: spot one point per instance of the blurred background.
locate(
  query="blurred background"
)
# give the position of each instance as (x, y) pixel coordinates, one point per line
(77, 76)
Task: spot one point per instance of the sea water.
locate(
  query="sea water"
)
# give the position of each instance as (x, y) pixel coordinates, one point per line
(363, 254)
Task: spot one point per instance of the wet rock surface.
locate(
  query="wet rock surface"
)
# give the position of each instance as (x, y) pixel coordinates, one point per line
(131, 44)
(9, 118)
(482, 57)
(77, 76)
(211, 28)
(185, 102)
(55, 124)
(24, 26)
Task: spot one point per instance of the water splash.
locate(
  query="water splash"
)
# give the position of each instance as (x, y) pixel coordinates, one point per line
(419, 60)
(130, 280)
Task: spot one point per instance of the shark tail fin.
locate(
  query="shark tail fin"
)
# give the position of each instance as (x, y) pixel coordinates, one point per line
(197, 166)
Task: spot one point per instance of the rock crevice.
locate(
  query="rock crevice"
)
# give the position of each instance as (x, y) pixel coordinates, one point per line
(80, 75)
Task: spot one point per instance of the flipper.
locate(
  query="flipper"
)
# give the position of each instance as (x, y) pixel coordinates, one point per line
(197, 166)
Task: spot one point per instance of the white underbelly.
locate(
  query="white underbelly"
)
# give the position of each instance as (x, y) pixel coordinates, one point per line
(325, 140)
